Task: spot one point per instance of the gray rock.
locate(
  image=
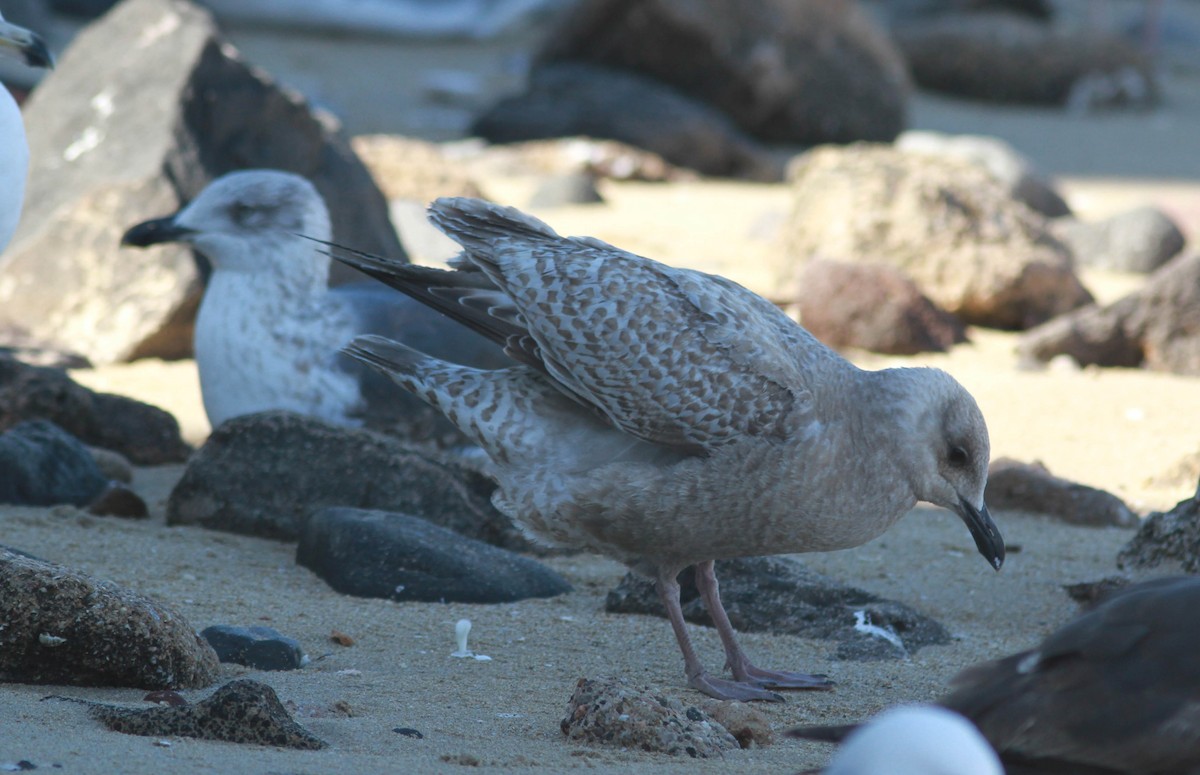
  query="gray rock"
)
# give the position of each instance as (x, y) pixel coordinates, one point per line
(800, 72)
(873, 307)
(568, 99)
(1156, 326)
(241, 711)
(41, 465)
(972, 248)
(1171, 537)
(778, 595)
(997, 157)
(142, 433)
(1140, 240)
(262, 648)
(146, 107)
(1031, 487)
(1003, 57)
(402, 557)
(112, 464)
(65, 627)
(263, 474)
(609, 711)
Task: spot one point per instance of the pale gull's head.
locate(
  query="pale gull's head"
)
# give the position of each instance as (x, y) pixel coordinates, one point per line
(946, 452)
(916, 740)
(253, 221)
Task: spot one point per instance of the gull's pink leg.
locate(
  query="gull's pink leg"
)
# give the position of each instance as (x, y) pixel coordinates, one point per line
(668, 591)
(736, 659)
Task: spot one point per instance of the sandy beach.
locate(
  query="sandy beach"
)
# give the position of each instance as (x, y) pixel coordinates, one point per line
(1127, 431)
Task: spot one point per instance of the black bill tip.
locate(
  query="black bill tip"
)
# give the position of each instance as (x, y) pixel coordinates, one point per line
(37, 54)
(987, 536)
(155, 232)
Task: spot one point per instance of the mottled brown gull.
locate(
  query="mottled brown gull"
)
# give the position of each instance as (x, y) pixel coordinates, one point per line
(669, 418)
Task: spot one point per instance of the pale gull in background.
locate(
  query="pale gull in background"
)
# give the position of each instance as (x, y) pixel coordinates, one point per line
(269, 331)
(21, 44)
(669, 418)
(1116, 691)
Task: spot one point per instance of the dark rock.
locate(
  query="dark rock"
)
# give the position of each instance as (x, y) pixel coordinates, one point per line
(1156, 326)
(401, 557)
(409, 732)
(1031, 487)
(262, 474)
(800, 72)
(572, 188)
(41, 465)
(1167, 537)
(949, 224)
(145, 108)
(262, 648)
(241, 711)
(145, 434)
(873, 307)
(610, 711)
(62, 626)
(568, 99)
(778, 595)
(118, 500)
(1009, 166)
(1002, 57)
(1140, 240)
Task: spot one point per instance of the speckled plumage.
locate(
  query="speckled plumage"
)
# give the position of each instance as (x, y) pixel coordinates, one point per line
(667, 417)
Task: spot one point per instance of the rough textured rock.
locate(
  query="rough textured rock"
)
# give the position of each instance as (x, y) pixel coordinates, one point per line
(1008, 165)
(568, 99)
(1140, 240)
(1031, 487)
(241, 711)
(262, 474)
(262, 648)
(949, 224)
(778, 595)
(41, 465)
(64, 627)
(1156, 326)
(402, 557)
(144, 109)
(612, 712)
(1171, 537)
(873, 307)
(1003, 57)
(145, 434)
(786, 71)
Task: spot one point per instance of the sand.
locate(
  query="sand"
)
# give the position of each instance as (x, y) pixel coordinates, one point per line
(1123, 430)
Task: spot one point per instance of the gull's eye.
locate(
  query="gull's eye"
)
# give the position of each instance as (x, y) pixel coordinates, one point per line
(958, 457)
(240, 212)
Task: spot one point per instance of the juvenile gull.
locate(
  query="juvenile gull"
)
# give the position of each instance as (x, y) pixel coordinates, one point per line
(269, 330)
(1115, 691)
(23, 45)
(670, 418)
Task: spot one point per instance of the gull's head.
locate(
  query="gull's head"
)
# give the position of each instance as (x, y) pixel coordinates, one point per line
(253, 221)
(948, 452)
(916, 740)
(23, 45)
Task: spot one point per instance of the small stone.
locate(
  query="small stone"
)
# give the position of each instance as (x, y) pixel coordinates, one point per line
(748, 725)
(341, 638)
(1031, 487)
(409, 732)
(262, 648)
(42, 465)
(241, 711)
(119, 500)
(612, 712)
(402, 557)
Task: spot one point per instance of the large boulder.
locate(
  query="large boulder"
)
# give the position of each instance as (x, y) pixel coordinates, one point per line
(786, 71)
(145, 108)
(1156, 326)
(955, 229)
(566, 99)
(1003, 57)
